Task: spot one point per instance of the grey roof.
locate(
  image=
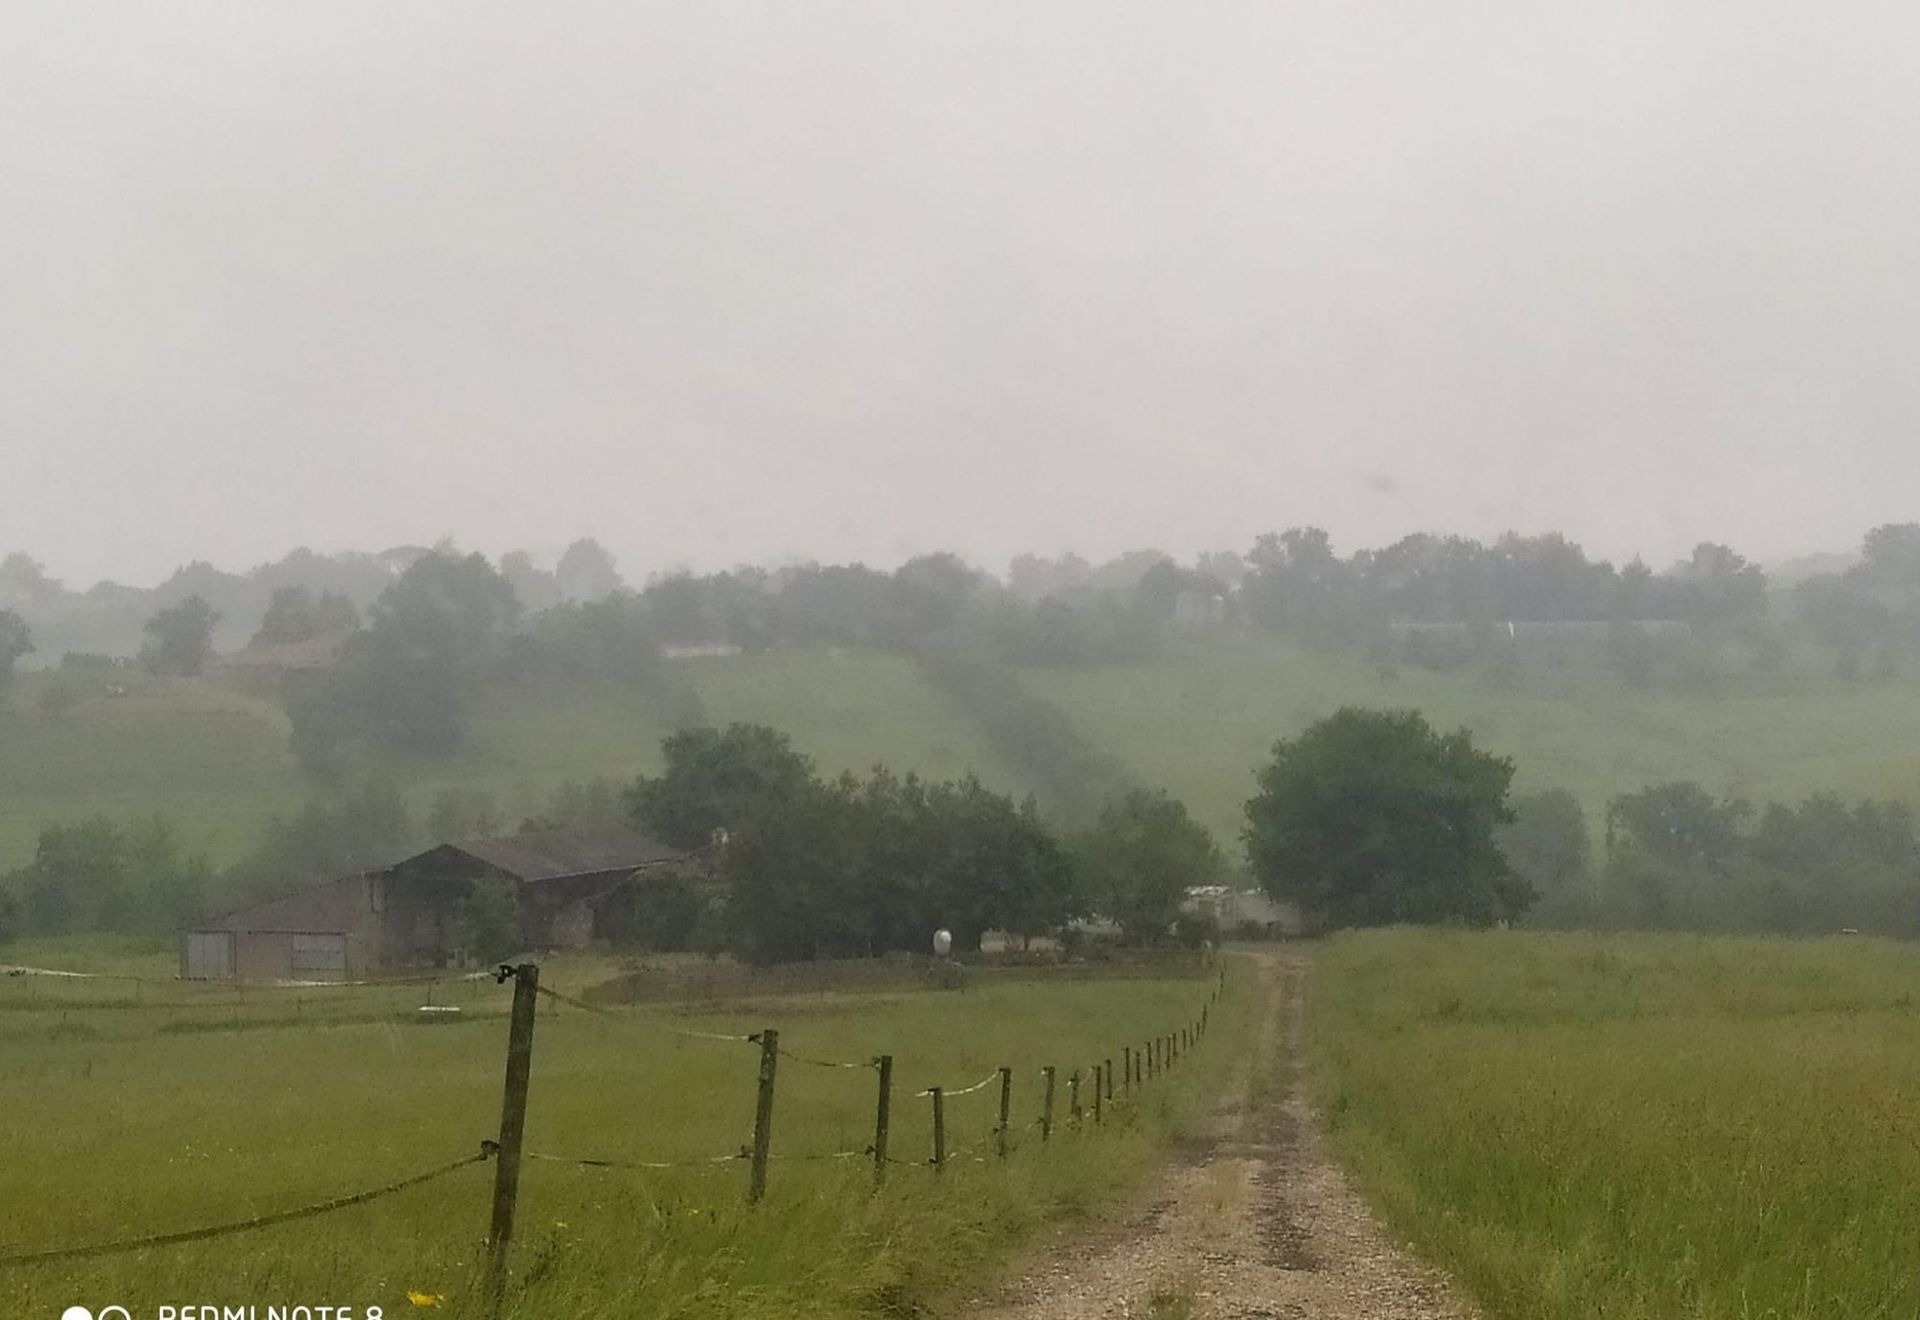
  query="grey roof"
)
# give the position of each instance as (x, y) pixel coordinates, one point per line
(557, 854)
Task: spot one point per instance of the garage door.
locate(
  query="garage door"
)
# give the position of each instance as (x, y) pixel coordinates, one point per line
(209, 955)
(319, 957)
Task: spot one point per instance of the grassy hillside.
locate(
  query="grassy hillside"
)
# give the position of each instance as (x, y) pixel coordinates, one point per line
(216, 763)
(1200, 725)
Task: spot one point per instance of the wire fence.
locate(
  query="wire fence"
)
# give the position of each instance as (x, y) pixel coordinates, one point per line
(1091, 1092)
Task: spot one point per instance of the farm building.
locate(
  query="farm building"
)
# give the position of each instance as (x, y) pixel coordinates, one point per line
(417, 912)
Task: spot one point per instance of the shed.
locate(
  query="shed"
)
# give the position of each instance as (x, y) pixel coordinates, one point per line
(334, 931)
(561, 877)
(417, 912)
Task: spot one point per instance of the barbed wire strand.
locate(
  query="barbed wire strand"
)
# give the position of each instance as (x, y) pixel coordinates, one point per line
(641, 1024)
(589, 1162)
(786, 1053)
(986, 1081)
(487, 1152)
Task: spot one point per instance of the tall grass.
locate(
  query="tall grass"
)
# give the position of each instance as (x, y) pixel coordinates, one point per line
(1636, 1127)
(122, 1121)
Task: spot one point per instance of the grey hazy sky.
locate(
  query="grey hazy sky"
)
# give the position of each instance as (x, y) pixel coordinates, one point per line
(738, 281)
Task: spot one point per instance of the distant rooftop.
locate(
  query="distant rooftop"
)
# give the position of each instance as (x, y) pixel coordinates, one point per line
(556, 854)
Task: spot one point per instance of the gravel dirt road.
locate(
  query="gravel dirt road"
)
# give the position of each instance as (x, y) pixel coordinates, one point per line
(1253, 1222)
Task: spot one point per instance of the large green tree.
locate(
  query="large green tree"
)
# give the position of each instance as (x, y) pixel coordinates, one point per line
(16, 640)
(719, 779)
(1139, 861)
(180, 638)
(1372, 817)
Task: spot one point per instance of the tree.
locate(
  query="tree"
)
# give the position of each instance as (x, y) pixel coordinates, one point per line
(718, 779)
(96, 875)
(1371, 817)
(16, 640)
(1547, 846)
(180, 638)
(410, 679)
(586, 572)
(24, 579)
(1719, 588)
(1680, 822)
(1139, 861)
(294, 614)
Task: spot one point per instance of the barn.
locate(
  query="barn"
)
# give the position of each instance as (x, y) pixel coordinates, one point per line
(414, 914)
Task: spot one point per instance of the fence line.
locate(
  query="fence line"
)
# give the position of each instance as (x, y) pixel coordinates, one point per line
(1163, 1052)
(641, 1024)
(487, 1152)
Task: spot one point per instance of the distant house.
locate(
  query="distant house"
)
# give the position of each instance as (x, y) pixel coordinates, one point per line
(1242, 910)
(273, 658)
(414, 913)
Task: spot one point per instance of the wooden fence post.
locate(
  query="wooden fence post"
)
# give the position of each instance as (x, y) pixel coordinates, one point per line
(513, 1121)
(881, 1114)
(939, 1128)
(763, 1115)
(1126, 1075)
(1096, 1092)
(1073, 1096)
(1006, 1108)
(1046, 1105)
(1106, 1078)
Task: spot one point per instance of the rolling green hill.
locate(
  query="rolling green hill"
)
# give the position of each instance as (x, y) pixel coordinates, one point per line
(1198, 726)
(215, 762)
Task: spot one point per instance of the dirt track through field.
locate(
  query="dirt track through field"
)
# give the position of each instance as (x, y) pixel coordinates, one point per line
(1255, 1222)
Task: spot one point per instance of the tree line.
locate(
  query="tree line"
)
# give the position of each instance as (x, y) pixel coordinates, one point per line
(1365, 818)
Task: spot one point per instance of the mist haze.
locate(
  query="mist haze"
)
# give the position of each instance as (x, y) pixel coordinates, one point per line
(743, 283)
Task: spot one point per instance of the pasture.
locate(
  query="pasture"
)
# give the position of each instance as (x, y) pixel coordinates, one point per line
(1200, 724)
(138, 1108)
(216, 764)
(1635, 1128)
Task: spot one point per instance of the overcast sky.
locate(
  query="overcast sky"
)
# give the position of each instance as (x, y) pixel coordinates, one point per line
(736, 281)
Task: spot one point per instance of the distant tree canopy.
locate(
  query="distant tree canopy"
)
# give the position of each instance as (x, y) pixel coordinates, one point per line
(295, 614)
(586, 572)
(1547, 845)
(98, 875)
(1139, 860)
(16, 640)
(717, 779)
(1371, 817)
(1680, 858)
(180, 638)
(853, 867)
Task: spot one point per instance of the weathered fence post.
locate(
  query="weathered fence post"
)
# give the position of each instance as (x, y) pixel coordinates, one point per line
(1046, 1105)
(1106, 1078)
(763, 1115)
(939, 1127)
(881, 1114)
(1073, 1096)
(1097, 1088)
(1006, 1108)
(1203, 1018)
(513, 1121)
(1126, 1075)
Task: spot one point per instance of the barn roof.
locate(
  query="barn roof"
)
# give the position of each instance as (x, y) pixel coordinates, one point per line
(556, 854)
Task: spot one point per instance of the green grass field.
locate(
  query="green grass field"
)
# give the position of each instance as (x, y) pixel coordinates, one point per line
(1199, 726)
(135, 1109)
(1661, 1128)
(216, 763)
